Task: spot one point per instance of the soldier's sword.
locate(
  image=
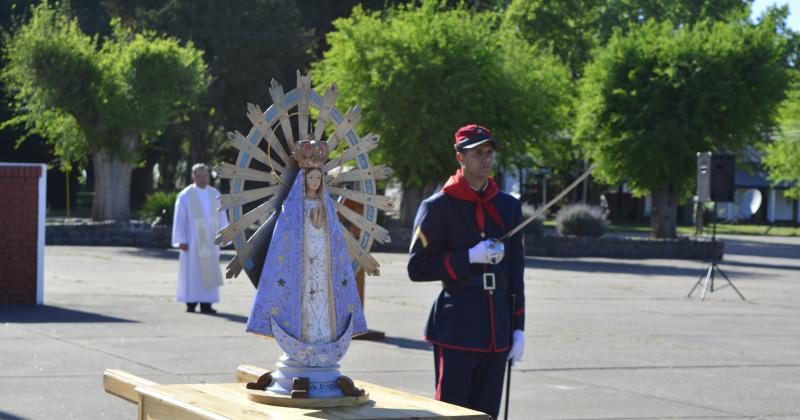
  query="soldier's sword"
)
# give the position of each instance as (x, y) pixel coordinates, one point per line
(549, 204)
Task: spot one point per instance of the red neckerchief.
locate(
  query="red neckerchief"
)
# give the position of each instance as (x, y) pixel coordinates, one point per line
(458, 187)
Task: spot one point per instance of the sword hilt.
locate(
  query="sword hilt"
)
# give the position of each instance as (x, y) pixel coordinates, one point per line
(496, 250)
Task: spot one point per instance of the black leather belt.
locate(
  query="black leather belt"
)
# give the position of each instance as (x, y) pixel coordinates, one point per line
(485, 281)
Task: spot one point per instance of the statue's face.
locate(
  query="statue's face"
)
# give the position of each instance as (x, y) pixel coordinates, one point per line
(313, 180)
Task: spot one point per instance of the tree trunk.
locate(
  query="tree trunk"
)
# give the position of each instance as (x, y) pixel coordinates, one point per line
(664, 213)
(198, 138)
(112, 181)
(410, 201)
(169, 156)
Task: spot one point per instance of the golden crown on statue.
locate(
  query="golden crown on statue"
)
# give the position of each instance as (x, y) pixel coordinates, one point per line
(311, 153)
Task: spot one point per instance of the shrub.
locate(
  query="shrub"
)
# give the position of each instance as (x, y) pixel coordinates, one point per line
(536, 227)
(581, 220)
(158, 208)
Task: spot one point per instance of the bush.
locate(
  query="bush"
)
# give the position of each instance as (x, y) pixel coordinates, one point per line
(581, 220)
(158, 208)
(536, 227)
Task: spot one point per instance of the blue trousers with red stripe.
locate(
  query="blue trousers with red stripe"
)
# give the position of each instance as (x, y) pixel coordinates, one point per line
(470, 379)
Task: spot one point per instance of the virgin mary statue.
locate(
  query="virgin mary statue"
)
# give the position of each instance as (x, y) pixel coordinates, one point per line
(307, 297)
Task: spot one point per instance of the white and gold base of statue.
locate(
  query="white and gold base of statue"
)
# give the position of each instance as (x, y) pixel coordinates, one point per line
(326, 387)
(293, 384)
(264, 397)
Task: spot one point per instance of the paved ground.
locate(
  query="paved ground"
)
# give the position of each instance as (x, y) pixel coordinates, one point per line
(606, 338)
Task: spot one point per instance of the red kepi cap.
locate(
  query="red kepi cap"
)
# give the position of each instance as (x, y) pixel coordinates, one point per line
(473, 135)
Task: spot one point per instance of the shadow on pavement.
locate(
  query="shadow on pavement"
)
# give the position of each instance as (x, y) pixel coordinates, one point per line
(406, 343)
(5, 415)
(621, 266)
(170, 253)
(760, 265)
(43, 313)
(761, 249)
(230, 317)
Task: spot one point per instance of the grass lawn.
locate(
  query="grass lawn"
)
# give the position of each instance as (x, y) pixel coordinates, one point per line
(739, 229)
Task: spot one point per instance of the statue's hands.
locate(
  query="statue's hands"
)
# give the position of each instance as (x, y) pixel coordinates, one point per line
(517, 347)
(184, 247)
(486, 252)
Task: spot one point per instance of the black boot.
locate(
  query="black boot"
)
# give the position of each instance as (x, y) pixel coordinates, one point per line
(207, 309)
(190, 306)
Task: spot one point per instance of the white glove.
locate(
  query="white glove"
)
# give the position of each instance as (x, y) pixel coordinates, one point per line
(483, 253)
(517, 347)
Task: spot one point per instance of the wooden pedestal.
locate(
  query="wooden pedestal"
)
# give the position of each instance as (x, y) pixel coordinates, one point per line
(265, 397)
(230, 401)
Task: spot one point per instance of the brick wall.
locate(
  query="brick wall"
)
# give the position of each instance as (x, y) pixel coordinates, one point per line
(19, 219)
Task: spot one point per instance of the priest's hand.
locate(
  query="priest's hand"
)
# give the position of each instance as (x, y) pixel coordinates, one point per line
(517, 347)
(184, 247)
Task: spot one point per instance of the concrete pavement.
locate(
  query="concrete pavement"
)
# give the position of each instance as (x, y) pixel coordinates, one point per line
(605, 338)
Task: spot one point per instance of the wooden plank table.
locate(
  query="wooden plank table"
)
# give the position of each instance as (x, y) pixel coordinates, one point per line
(230, 401)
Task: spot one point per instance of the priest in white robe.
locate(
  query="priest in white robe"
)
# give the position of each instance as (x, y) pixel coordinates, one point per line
(196, 223)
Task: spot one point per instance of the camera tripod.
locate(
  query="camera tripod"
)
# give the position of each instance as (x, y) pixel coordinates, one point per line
(708, 277)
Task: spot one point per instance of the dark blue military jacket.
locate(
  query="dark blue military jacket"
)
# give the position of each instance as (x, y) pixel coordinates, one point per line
(466, 316)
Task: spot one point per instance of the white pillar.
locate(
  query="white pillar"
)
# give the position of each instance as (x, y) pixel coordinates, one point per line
(40, 236)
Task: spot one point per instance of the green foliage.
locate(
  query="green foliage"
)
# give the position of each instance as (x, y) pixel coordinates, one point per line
(573, 28)
(569, 28)
(245, 43)
(51, 48)
(783, 155)
(654, 97)
(581, 220)
(159, 78)
(82, 96)
(159, 207)
(421, 71)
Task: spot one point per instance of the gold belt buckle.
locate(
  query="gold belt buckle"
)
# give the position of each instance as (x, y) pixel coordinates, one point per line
(488, 281)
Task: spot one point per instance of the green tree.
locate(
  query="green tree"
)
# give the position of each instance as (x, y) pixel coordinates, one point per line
(98, 96)
(654, 97)
(245, 43)
(783, 155)
(421, 71)
(573, 28)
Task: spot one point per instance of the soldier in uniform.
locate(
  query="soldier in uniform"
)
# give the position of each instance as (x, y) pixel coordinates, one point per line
(476, 324)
